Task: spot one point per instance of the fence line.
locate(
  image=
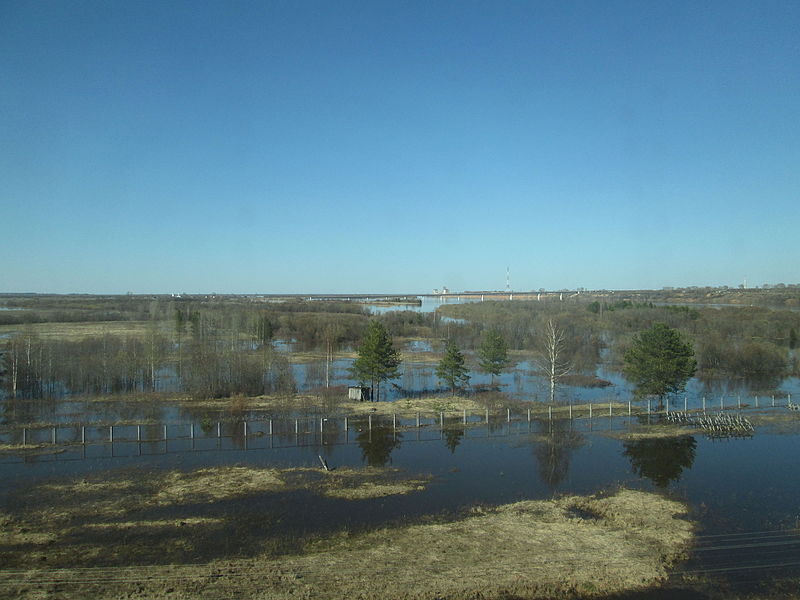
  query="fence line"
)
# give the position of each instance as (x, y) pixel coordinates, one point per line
(306, 438)
(572, 412)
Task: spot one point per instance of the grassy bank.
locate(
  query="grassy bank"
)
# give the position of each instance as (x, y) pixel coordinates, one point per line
(587, 546)
(143, 517)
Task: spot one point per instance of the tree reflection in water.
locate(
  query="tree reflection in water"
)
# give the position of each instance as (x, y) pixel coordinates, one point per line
(555, 450)
(378, 443)
(452, 437)
(661, 460)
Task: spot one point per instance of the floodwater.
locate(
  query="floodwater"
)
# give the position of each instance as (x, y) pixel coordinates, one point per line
(428, 304)
(734, 486)
(417, 378)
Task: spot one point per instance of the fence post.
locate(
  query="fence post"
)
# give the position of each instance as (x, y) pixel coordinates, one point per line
(321, 420)
(54, 436)
(704, 405)
(648, 406)
(24, 436)
(244, 428)
(138, 433)
(417, 420)
(721, 403)
(83, 434)
(773, 402)
(609, 408)
(345, 423)
(297, 426)
(550, 412)
(219, 429)
(394, 421)
(629, 408)
(165, 433)
(369, 417)
(487, 416)
(191, 431)
(590, 411)
(465, 416)
(570, 410)
(756, 401)
(508, 415)
(685, 404)
(111, 433)
(270, 426)
(529, 415)
(441, 419)
(739, 402)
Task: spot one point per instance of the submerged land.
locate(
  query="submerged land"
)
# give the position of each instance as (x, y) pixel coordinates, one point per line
(143, 529)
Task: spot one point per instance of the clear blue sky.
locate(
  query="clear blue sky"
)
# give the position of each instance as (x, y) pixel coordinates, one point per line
(372, 146)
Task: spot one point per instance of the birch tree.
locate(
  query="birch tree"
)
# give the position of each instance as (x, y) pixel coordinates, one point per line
(553, 360)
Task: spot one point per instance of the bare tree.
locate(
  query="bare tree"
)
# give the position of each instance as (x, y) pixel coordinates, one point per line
(552, 360)
(331, 335)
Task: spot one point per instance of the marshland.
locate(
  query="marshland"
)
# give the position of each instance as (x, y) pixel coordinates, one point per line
(206, 445)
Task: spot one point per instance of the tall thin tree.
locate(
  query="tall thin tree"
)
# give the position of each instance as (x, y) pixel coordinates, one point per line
(552, 359)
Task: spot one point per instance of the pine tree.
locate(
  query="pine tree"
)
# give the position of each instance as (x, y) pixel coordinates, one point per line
(493, 354)
(451, 368)
(659, 362)
(377, 360)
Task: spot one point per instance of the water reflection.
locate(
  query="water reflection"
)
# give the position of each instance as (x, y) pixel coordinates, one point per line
(452, 437)
(554, 452)
(377, 443)
(661, 460)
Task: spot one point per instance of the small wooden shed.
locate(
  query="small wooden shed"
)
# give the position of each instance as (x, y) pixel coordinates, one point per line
(359, 393)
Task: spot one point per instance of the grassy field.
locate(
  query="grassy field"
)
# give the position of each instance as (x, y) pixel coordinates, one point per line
(148, 533)
(78, 331)
(138, 517)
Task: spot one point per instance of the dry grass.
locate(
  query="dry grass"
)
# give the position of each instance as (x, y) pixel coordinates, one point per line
(537, 549)
(527, 549)
(409, 407)
(781, 421)
(406, 408)
(216, 483)
(30, 449)
(370, 482)
(652, 432)
(73, 522)
(77, 331)
(68, 500)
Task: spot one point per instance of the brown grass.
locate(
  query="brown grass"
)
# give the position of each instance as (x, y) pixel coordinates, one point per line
(652, 432)
(369, 482)
(588, 546)
(783, 421)
(77, 331)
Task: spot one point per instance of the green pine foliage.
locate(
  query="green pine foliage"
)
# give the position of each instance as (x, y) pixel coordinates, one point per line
(493, 354)
(377, 360)
(659, 362)
(452, 369)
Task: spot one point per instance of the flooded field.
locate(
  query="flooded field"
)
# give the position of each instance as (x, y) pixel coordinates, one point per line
(140, 455)
(743, 489)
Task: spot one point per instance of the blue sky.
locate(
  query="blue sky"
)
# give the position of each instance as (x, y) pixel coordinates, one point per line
(271, 147)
